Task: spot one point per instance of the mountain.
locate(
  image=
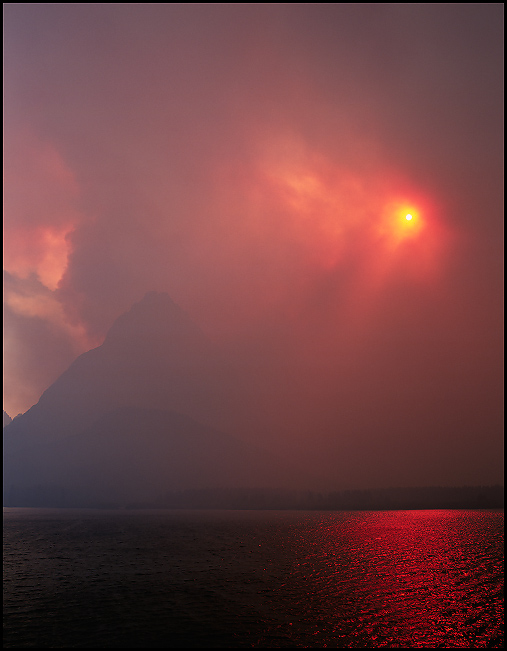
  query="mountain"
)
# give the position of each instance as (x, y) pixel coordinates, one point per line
(133, 455)
(153, 356)
(7, 418)
(133, 419)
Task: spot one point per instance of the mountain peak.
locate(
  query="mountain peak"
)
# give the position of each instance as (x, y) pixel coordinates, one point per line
(144, 413)
(154, 299)
(156, 321)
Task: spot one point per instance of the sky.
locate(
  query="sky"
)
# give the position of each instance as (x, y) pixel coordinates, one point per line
(258, 163)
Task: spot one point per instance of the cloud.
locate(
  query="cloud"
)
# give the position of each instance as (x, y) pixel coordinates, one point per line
(39, 341)
(40, 212)
(40, 204)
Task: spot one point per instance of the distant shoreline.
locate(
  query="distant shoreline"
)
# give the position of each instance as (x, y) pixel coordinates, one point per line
(389, 499)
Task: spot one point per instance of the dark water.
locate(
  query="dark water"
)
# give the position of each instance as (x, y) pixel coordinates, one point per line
(264, 579)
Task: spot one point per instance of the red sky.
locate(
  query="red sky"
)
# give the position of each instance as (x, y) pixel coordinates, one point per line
(257, 163)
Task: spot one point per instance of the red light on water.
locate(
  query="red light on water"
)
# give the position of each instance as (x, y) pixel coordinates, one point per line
(405, 579)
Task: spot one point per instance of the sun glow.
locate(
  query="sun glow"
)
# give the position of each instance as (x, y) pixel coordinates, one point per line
(402, 222)
(321, 216)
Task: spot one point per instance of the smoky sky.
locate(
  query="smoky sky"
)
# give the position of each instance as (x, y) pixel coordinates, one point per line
(255, 161)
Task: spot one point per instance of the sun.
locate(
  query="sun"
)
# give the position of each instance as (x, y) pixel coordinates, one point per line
(407, 221)
(401, 221)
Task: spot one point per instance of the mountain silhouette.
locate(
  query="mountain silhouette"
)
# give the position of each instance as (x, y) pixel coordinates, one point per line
(133, 419)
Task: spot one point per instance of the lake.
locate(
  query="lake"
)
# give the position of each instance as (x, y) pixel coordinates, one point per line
(81, 578)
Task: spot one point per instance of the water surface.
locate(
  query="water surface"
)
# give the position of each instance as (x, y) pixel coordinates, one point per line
(263, 579)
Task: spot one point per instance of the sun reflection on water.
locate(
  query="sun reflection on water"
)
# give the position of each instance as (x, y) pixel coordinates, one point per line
(402, 578)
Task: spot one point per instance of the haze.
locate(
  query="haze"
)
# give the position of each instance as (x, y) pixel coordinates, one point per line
(257, 163)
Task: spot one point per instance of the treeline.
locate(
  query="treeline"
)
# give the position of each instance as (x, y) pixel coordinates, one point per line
(434, 497)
